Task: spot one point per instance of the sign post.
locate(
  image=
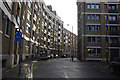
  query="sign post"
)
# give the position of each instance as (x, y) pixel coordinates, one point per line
(18, 36)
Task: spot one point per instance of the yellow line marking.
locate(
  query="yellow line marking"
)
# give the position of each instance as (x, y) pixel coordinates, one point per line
(32, 70)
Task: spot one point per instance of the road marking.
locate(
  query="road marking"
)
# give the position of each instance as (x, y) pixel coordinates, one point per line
(32, 70)
(74, 69)
(71, 68)
(66, 76)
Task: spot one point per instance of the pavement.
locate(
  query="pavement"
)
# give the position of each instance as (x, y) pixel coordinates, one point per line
(14, 72)
(60, 68)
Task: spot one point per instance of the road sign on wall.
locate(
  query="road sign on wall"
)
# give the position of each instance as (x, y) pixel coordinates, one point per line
(18, 36)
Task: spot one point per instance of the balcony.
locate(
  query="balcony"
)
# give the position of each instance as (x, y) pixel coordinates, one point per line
(114, 22)
(114, 32)
(113, 11)
(114, 45)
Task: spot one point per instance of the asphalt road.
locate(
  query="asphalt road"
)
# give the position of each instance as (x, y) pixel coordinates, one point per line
(64, 68)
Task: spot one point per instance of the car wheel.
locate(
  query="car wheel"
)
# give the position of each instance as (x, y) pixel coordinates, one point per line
(112, 70)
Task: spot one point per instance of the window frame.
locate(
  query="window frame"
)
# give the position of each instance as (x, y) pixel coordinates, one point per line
(7, 27)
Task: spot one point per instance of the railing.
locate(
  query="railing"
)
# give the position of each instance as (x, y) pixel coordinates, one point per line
(113, 11)
(114, 22)
(114, 45)
(114, 32)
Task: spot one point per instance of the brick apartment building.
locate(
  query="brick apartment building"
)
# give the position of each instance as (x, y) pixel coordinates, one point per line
(98, 30)
(67, 42)
(41, 28)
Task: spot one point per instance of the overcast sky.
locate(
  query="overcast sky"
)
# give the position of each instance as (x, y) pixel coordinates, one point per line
(67, 10)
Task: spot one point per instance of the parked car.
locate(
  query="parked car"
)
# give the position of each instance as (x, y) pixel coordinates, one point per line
(50, 56)
(64, 56)
(115, 65)
(55, 56)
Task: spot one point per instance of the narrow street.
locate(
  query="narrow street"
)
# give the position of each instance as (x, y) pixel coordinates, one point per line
(64, 68)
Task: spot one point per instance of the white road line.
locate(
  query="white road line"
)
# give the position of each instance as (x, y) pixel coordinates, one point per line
(74, 69)
(66, 76)
(71, 68)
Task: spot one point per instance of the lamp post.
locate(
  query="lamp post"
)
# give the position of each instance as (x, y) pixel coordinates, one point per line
(23, 8)
(72, 37)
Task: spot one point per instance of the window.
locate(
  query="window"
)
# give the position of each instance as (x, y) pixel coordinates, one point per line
(94, 39)
(33, 33)
(112, 28)
(92, 6)
(112, 18)
(105, 17)
(28, 16)
(89, 17)
(112, 7)
(94, 51)
(28, 28)
(98, 50)
(89, 39)
(88, 6)
(27, 43)
(98, 39)
(97, 6)
(114, 40)
(7, 6)
(6, 26)
(93, 27)
(106, 28)
(119, 17)
(89, 28)
(97, 17)
(97, 28)
(32, 48)
(29, 4)
(119, 6)
(93, 17)
(105, 6)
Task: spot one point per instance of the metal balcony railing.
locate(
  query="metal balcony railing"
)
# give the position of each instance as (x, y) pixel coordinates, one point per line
(114, 32)
(114, 22)
(114, 44)
(113, 10)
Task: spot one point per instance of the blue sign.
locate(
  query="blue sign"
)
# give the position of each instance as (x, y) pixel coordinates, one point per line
(18, 36)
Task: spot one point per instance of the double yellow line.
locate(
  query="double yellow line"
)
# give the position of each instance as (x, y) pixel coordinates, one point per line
(32, 70)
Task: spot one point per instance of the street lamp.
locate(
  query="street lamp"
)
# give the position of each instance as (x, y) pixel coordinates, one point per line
(72, 37)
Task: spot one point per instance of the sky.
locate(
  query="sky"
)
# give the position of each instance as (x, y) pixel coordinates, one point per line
(67, 10)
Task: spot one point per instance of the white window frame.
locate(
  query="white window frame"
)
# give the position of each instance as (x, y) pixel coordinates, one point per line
(97, 6)
(27, 26)
(89, 17)
(96, 40)
(96, 50)
(106, 17)
(29, 4)
(88, 6)
(97, 17)
(92, 6)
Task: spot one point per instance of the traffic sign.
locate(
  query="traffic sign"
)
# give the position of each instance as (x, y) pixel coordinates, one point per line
(18, 36)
